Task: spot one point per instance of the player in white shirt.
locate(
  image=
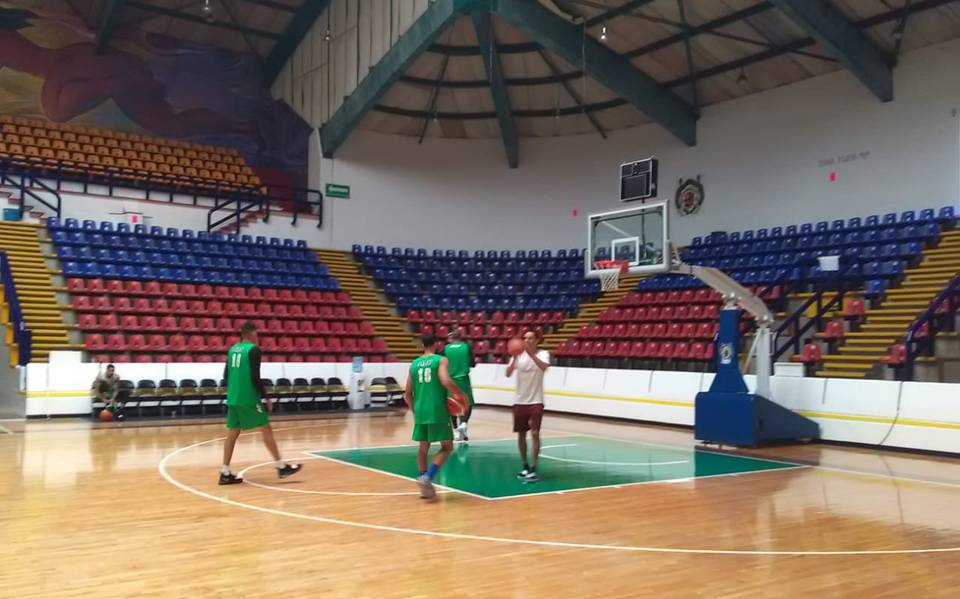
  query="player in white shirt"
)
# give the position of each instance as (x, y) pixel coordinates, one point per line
(530, 365)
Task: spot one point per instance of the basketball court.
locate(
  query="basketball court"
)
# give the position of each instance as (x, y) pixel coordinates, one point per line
(622, 509)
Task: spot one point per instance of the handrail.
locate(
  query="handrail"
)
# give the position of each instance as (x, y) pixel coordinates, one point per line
(815, 320)
(17, 330)
(22, 186)
(925, 344)
(300, 199)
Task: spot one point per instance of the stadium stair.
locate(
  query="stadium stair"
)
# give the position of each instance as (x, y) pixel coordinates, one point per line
(385, 322)
(589, 312)
(864, 349)
(43, 315)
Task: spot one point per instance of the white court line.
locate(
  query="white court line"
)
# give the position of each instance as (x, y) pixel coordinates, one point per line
(592, 462)
(400, 476)
(646, 482)
(162, 468)
(312, 492)
(410, 444)
(779, 461)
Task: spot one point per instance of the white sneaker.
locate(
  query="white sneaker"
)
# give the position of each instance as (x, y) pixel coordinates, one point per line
(462, 432)
(426, 487)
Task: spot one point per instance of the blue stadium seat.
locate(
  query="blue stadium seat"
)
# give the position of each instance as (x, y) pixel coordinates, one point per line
(908, 216)
(806, 229)
(854, 223)
(734, 237)
(72, 223)
(747, 236)
(89, 225)
(875, 288)
(947, 216)
(927, 215)
(821, 227)
(890, 218)
(838, 225)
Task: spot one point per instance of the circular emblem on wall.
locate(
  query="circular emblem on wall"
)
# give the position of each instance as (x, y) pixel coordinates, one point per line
(726, 353)
(689, 196)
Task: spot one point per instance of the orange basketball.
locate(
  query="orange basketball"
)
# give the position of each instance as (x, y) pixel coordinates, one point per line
(515, 346)
(106, 415)
(457, 404)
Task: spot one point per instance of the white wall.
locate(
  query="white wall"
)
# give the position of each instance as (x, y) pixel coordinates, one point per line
(321, 73)
(759, 159)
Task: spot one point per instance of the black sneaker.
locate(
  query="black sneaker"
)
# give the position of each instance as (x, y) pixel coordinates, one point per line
(288, 470)
(531, 476)
(522, 475)
(230, 479)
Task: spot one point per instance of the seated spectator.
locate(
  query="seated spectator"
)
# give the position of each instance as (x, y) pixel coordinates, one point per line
(106, 388)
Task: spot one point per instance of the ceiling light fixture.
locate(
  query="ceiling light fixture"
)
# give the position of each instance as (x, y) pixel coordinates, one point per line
(207, 11)
(603, 33)
(742, 80)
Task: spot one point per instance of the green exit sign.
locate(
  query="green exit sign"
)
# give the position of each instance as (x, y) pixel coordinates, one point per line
(338, 191)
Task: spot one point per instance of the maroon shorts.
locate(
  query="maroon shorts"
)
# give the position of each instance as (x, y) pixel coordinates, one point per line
(527, 417)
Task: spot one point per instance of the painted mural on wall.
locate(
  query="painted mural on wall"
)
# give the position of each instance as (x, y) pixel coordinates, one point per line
(146, 83)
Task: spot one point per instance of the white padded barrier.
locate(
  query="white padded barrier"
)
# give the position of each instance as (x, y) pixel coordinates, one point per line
(910, 415)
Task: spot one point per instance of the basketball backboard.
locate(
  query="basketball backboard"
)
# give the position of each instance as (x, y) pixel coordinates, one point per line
(638, 236)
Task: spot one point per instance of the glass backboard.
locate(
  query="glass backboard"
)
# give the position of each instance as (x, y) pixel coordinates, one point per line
(638, 236)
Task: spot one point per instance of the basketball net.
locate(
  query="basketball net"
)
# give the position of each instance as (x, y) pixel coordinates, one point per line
(610, 271)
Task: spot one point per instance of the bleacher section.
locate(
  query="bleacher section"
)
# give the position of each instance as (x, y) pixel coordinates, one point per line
(670, 321)
(42, 315)
(73, 150)
(161, 295)
(492, 295)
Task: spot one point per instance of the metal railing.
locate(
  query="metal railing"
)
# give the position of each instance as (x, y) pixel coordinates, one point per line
(157, 187)
(23, 181)
(17, 334)
(918, 344)
(791, 325)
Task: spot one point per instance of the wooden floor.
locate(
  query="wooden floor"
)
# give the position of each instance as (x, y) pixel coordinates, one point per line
(134, 510)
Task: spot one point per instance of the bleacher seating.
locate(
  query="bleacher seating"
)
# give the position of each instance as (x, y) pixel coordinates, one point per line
(670, 321)
(89, 249)
(875, 249)
(491, 295)
(127, 156)
(133, 309)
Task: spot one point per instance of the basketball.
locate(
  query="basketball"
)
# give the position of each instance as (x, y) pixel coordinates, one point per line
(515, 346)
(106, 415)
(457, 404)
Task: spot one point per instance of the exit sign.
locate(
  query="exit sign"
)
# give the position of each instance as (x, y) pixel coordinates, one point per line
(338, 191)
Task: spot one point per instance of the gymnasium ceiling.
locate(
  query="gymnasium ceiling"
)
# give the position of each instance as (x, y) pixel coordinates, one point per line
(694, 53)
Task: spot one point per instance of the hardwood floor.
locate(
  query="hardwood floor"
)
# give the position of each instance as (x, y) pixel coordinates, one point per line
(134, 510)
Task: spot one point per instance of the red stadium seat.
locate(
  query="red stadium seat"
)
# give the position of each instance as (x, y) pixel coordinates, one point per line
(129, 322)
(108, 322)
(137, 343)
(88, 322)
(152, 288)
(76, 285)
(117, 342)
(95, 342)
(115, 287)
(177, 343)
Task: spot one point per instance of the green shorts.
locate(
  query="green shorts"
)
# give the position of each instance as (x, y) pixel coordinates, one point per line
(441, 431)
(247, 417)
(464, 385)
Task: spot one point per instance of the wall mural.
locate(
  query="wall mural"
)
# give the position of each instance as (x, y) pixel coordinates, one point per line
(146, 83)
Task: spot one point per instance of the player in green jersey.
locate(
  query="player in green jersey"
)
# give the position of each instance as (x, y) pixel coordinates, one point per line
(245, 409)
(460, 356)
(428, 385)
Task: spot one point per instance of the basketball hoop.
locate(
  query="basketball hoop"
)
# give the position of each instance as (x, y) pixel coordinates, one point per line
(610, 271)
